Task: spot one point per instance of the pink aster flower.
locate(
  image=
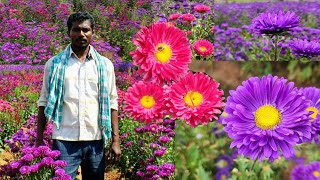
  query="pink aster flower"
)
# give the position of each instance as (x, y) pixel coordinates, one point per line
(195, 99)
(202, 9)
(203, 47)
(174, 16)
(163, 52)
(143, 102)
(187, 17)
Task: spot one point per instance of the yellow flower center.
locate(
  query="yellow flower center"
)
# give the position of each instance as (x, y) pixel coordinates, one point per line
(314, 110)
(147, 102)
(267, 117)
(193, 99)
(163, 53)
(202, 48)
(222, 164)
(316, 173)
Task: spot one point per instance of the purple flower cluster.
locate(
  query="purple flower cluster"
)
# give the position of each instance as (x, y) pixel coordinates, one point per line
(305, 48)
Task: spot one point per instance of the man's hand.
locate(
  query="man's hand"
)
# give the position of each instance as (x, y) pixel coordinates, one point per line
(115, 151)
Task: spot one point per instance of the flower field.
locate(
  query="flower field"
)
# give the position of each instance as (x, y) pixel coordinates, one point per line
(184, 112)
(267, 31)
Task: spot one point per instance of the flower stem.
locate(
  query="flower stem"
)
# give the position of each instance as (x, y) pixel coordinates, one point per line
(276, 49)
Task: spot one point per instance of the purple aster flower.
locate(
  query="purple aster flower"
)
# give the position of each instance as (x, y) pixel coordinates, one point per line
(34, 168)
(164, 139)
(15, 164)
(222, 175)
(48, 161)
(167, 166)
(224, 162)
(159, 152)
(54, 154)
(60, 172)
(313, 94)
(25, 170)
(152, 168)
(305, 48)
(27, 158)
(150, 160)
(265, 116)
(310, 171)
(155, 176)
(140, 173)
(274, 23)
(60, 163)
(128, 144)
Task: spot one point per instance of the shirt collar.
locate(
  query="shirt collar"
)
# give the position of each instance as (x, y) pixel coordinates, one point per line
(89, 55)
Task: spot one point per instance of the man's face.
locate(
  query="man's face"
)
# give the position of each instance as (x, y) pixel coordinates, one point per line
(81, 34)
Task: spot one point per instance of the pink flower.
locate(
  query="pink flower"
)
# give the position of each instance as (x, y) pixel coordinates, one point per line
(195, 99)
(174, 16)
(188, 17)
(163, 52)
(203, 47)
(143, 102)
(202, 8)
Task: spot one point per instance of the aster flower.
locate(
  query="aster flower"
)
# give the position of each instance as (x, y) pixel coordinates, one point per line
(201, 8)
(224, 162)
(187, 17)
(313, 94)
(310, 171)
(174, 16)
(203, 47)
(195, 99)
(24, 170)
(275, 23)
(143, 102)
(305, 48)
(163, 52)
(265, 116)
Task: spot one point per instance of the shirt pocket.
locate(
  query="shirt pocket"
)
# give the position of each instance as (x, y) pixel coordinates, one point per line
(92, 83)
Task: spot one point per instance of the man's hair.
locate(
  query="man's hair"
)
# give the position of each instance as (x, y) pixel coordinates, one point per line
(79, 17)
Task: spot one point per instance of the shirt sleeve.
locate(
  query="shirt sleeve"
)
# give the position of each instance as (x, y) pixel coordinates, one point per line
(113, 89)
(45, 85)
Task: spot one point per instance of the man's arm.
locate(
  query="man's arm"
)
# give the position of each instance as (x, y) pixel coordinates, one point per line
(41, 126)
(115, 135)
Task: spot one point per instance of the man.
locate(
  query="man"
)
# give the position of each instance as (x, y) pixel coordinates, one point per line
(79, 95)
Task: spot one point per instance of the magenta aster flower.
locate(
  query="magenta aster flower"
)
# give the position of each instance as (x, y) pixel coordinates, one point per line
(305, 48)
(143, 102)
(164, 139)
(275, 23)
(174, 16)
(195, 99)
(203, 47)
(163, 52)
(265, 116)
(313, 94)
(24, 170)
(201, 8)
(187, 17)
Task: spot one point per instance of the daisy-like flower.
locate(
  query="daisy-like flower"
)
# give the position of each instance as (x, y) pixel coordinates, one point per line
(310, 171)
(143, 102)
(195, 99)
(163, 52)
(224, 162)
(305, 48)
(203, 47)
(188, 17)
(265, 116)
(201, 8)
(275, 23)
(174, 16)
(313, 94)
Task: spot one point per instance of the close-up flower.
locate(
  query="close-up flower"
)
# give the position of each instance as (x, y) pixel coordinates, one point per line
(313, 94)
(267, 117)
(309, 171)
(195, 99)
(144, 102)
(275, 23)
(203, 47)
(305, 48)
(163, 52)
